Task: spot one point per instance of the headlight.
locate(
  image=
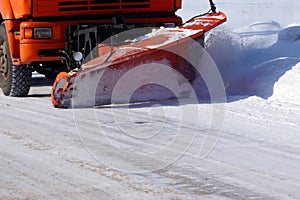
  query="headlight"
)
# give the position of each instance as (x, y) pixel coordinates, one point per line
(42, 33)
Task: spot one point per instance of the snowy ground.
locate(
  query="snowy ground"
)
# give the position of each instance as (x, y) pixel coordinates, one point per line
(49, 153)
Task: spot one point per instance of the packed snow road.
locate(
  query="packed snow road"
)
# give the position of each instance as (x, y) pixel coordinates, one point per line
(49, 153)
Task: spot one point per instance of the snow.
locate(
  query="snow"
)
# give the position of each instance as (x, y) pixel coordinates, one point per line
(181, 33)
(241, 13)
(246, 147)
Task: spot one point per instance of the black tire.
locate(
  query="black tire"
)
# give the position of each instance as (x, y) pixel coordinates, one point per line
(14, 80)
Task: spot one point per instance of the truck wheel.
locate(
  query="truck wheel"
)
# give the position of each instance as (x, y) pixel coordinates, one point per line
(14, 80)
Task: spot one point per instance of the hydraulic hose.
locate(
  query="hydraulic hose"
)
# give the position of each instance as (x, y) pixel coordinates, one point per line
(212, 6)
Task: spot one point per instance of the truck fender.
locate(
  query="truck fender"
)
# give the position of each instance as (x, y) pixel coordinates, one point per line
(6, 10)
(9, 22)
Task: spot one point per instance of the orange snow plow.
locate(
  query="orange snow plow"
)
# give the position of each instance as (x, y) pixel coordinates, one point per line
(115, 64)
(135, 65)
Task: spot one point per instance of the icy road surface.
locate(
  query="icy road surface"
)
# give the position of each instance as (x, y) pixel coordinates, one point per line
(257, 155)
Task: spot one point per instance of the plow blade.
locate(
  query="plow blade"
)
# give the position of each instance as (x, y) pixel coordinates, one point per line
(153, 66)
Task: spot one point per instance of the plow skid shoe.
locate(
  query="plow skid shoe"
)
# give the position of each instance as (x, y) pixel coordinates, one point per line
(154, 66)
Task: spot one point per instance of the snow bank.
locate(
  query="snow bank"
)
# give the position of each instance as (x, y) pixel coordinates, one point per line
(291, 33)
(287, 89)
(255, 58)
(242, 13)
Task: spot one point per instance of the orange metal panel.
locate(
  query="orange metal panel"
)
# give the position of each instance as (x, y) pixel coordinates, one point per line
(31, 52)
(6, 10)
(43, 8)
(21, 8)
(30, 48)
(58, 30)
(178, 4)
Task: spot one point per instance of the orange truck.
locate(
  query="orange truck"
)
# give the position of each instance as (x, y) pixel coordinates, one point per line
(50, 36)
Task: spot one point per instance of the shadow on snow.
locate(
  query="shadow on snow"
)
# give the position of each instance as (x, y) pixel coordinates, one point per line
(249, 66)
